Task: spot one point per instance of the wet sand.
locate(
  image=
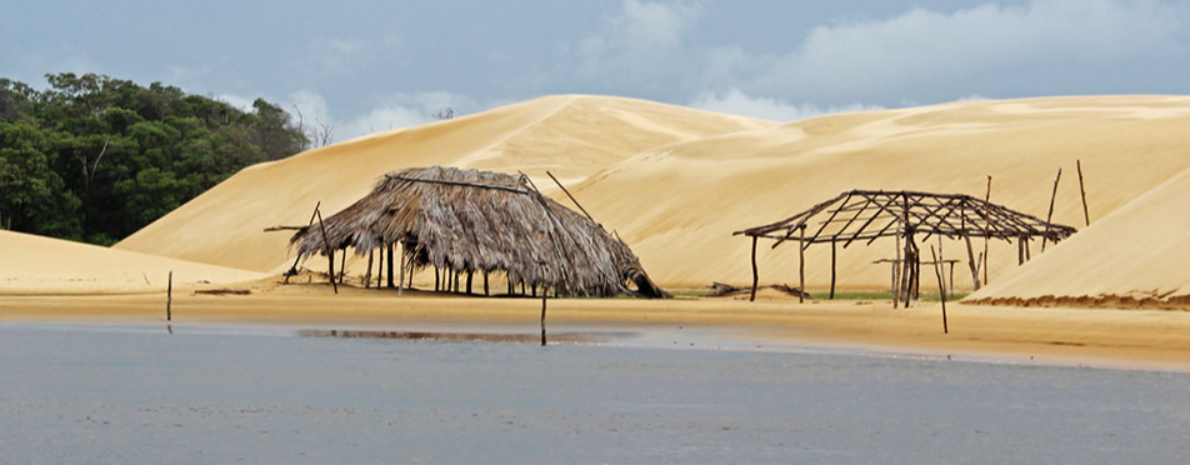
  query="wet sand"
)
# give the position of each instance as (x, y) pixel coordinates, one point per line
(1151, 339)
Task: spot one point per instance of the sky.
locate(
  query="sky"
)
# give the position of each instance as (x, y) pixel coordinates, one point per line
(371, 65)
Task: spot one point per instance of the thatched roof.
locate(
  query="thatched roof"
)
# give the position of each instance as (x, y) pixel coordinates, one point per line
(476, 221)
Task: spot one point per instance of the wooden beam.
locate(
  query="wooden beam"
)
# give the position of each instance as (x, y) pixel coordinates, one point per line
(941, 291)
(755, 273)
(987, 202)
(833, 258)
(572, 199)
(801, 265)
(391, 268)
(1083, 191)
(330, 253)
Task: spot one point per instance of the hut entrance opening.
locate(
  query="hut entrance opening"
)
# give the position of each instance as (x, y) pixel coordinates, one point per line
(863, 216)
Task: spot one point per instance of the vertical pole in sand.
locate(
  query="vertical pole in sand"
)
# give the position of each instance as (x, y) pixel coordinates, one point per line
(755, 274)
(485, 284)
(941, 290)
(801, 264)
(1083, 191)
(390, 266)
(833, 253)
(987, 224)
(368, 275)
(330, 253)
(543, 300)
(169, 298)
(896, 288)
(343, 266)
(1049, 218)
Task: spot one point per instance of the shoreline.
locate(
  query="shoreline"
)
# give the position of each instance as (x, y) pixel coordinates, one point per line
(1116, 339)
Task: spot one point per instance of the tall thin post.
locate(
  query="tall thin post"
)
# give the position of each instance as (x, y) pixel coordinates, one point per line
(343, 266)
(755, 273)
(1020, 250)
(379, 266)
(299, 257)
(987, 224)
(169, 298)
(391, 269)
(970, 251)
(1083, 191)
(401, 279)
(801, 264)
(833, 254)
(941, 291)
(330, 253)
(543, 299)
(897, 264)
(437, 279)
(485, 283)
(1049, 217)
(470, 274)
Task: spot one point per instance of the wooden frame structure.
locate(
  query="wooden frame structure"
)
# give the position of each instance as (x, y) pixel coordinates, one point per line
(866, 215)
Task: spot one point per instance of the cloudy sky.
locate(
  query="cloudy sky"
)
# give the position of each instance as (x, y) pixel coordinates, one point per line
(380, 64)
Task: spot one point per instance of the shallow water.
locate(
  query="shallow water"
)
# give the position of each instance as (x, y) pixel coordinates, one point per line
(140, 395)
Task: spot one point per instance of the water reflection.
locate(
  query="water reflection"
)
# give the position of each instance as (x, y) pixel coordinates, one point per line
(566, 337)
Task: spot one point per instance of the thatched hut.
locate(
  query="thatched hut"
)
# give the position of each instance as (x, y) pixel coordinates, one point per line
(468, 222)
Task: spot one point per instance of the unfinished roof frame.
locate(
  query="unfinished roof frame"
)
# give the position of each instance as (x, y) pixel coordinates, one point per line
(867, 215)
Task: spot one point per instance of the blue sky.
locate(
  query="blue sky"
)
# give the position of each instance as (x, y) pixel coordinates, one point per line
(372, 65)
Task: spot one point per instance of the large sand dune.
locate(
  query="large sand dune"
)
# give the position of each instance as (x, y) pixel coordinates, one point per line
(675, 183)
(571, 136)
(40, 265)
(678, 205)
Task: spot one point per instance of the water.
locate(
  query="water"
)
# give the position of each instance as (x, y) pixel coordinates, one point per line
(140, 395)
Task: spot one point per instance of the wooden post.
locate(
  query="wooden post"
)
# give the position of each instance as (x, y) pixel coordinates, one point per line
(470, 274)
(533, 290)
(299, 257)
(543, 299)
(987, 224)
(401, 279)
(951, 286)
(1020, 251)
(801, 264)
(941, 291)
(755, 273)
(1083, 191)
(833, 254)
(330, 258)
(379, 265)
(391, 269)
(343, 266)
(485, 283)
(1049, 217)
(437, 279)
(511, 288)
(1028, 256)
(457, 273)
(897, 264)
(368, 274)
(970, 251)
(169, 298)
(941, 258)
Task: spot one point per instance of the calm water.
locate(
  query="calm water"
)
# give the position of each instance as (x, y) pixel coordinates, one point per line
(121, 395)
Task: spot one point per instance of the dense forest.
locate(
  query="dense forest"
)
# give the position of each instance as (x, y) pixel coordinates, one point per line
(94, 159)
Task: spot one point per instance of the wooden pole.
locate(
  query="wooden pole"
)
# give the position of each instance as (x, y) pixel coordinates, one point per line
(941, 291)
(1083, 191)
(169, 298)
(755, 273)
(833, 258)
(572, 199)
(485, 284)
(391, 269)
(470, 274)
(987, 224)
(1049, 217)
(401, 279)
(343, 266)
(379, 265)
(897, 264)
(437, 279)
(299, 257)
(970, 251)
(801, 264)
(368, 275)
(1020, 251)
(951, 286)
(543, 299)
(330, 258)
(941, 258)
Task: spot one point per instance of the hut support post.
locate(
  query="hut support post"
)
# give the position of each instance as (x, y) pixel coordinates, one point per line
(470, 274)
(390, 266)
(368, 274)
(437, 279)
(801, 264)
(401, 281)
(941, 290)
(379, 265)
(971, 262)
(987, 224)
(343, 266)
(833, 258)
(485, 284)
(533, 290)
(169, 298)
(1083, 191)
(1049, 217)
(755, 275)
(897, 264)
(457, 273)
(330, 253)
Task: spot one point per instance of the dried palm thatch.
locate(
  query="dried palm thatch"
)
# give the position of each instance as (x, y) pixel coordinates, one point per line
(476, 221)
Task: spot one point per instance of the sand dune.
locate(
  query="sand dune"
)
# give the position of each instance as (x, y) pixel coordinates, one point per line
(1138, 253)
(572, 136)
(678, 205)
(40, 265)
(675, 183)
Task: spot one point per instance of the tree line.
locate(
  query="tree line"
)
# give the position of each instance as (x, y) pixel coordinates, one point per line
(91, 158)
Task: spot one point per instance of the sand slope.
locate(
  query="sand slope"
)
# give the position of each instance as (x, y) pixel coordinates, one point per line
(678, 205)
(40, 265)
(1139, 252)
(572, 136)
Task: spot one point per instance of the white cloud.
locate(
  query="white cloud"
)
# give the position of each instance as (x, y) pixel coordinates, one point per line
(395, 111)
(242, 103)
(736, 102)
(637, 44)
